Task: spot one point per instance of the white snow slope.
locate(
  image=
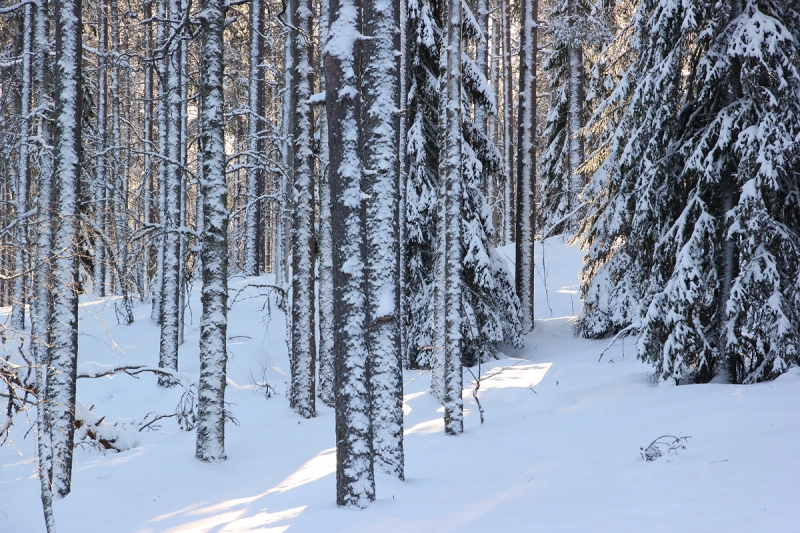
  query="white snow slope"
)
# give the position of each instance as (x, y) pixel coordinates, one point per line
(559, 451)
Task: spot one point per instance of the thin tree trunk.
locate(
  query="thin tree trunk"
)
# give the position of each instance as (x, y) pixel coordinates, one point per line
(355, 478)
(18, 301)
(303, 348)
(255, 175)
(526, 163)
(60, 389)
(162, 32)
(380, 98)
(101, 169)
(214, 239)
(508, 113)
(325, 288)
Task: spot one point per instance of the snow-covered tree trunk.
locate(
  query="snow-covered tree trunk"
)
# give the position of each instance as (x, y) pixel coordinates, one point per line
(162, 33)
(380, 125)
(214, 237)
(508, 131)
(120, 205)
(253, 241)
(170, 283)
(42, 275)
(100, 192)
(355, 478)
(303, 354)
(149, 147)
(526, 163)
(450, 200)
(577, 179)
(18, 300)
(60, 388)
(325, 287)
(284, 232)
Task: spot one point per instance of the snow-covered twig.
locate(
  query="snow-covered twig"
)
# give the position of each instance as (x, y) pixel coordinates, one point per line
(633, 328)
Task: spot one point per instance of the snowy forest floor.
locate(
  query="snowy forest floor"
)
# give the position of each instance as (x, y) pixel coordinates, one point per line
(559, 450)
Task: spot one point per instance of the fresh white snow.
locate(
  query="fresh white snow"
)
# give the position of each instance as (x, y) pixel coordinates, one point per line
(559, 451)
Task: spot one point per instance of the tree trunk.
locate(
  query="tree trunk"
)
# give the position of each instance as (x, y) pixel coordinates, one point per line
(170, 289)
(303, 348)
(355, 479)
(325, 288)
(60, 389)
(380, 98)
(214, 238)
(18, 301)
(526, 163)
(508, 113)
(451, 208)
(253, 263)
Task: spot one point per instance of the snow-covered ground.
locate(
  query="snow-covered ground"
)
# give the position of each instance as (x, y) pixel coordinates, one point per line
(559, 450)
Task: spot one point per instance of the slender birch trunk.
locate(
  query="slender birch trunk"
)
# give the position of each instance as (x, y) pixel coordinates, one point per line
(214, 239)
(60, 388)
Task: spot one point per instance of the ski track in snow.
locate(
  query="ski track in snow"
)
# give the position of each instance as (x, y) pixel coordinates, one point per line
(559, 451)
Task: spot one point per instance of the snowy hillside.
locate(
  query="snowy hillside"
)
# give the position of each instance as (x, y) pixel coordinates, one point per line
(559, 450)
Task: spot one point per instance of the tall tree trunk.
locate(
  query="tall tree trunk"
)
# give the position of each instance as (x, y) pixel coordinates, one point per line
(575, 119)
(526, 163)
(120, 206)
(380, 98)
(508, 135)
(325, 287)
(287, 151)
(451, 210)
(253, 241)
(60, 389)
(148, 185)
(18, 301)
(162, 33)
(170, 289)
(101, 169)
(355, 478)
(303, 348)
(42, 275)
(214, 238)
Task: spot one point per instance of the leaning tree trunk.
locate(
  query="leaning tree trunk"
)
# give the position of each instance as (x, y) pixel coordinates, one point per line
(60, 389)
(214, 238)
(526, 163)
(450, 208)
(355, 479)
(380, 98)
(303, 354)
